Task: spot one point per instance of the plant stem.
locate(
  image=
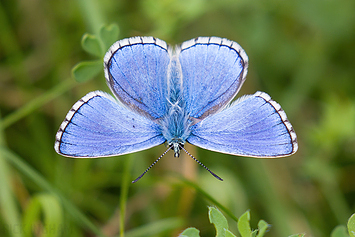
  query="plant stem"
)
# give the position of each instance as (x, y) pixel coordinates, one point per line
(124, 192)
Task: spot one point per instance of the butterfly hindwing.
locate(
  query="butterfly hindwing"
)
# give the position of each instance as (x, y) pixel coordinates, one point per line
(98, 126)
(136, 71)
(213, 71)
(254, 126)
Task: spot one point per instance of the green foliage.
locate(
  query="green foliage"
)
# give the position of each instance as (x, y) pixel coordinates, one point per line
(190, 232)
(339, 231)
(91, 44)
(351, 225)
(222, 229)
(109, 35)
(97, 46)
(86, 70)
(262, 226)
(219, 221)
(244, 225)
(52, 212)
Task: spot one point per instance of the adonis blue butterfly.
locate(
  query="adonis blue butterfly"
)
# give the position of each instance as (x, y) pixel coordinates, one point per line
(175, 95)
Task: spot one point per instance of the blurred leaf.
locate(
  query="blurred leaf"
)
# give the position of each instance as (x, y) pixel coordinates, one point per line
(37, 178)
(52, 213)
(262, 226)
(244, 225)
(91, 44)
(190, 232)
(86, 70)
(297, 235)
(218, 220)
(109, 35)
(351, 226)
(339, 231)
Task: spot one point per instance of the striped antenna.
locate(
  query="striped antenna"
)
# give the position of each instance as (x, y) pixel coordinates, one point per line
(216, 176)
(151, 165)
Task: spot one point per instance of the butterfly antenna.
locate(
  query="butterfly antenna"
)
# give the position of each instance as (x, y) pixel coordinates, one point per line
(216, 176)
(151, 165)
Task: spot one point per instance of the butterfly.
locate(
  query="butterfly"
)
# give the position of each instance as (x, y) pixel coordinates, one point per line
(175, 95)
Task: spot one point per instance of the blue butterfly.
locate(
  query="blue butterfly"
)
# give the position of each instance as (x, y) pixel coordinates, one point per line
(175, 95)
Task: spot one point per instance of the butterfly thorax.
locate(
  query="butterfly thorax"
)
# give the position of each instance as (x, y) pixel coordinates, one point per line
(175, 125)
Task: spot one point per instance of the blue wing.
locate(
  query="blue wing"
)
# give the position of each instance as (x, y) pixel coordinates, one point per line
(98, 126)
(213, 71)
(254, 126)
(136, 72)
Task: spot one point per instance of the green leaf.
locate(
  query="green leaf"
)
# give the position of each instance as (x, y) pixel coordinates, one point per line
(109, 35)
(351, 226)
(297, 235)
(262, 226)
(52, 213)
(339, 231)
(91, 44)
(190, 232)
(86, 70)
(229, 234)
(218, 220)
(244, 225)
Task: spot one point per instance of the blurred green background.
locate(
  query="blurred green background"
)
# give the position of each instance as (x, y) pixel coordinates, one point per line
(301, 52)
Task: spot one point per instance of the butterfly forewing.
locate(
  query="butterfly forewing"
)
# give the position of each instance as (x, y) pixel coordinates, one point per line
(213, 71)
(136, 72)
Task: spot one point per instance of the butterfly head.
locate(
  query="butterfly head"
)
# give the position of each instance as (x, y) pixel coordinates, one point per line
(176, 145)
